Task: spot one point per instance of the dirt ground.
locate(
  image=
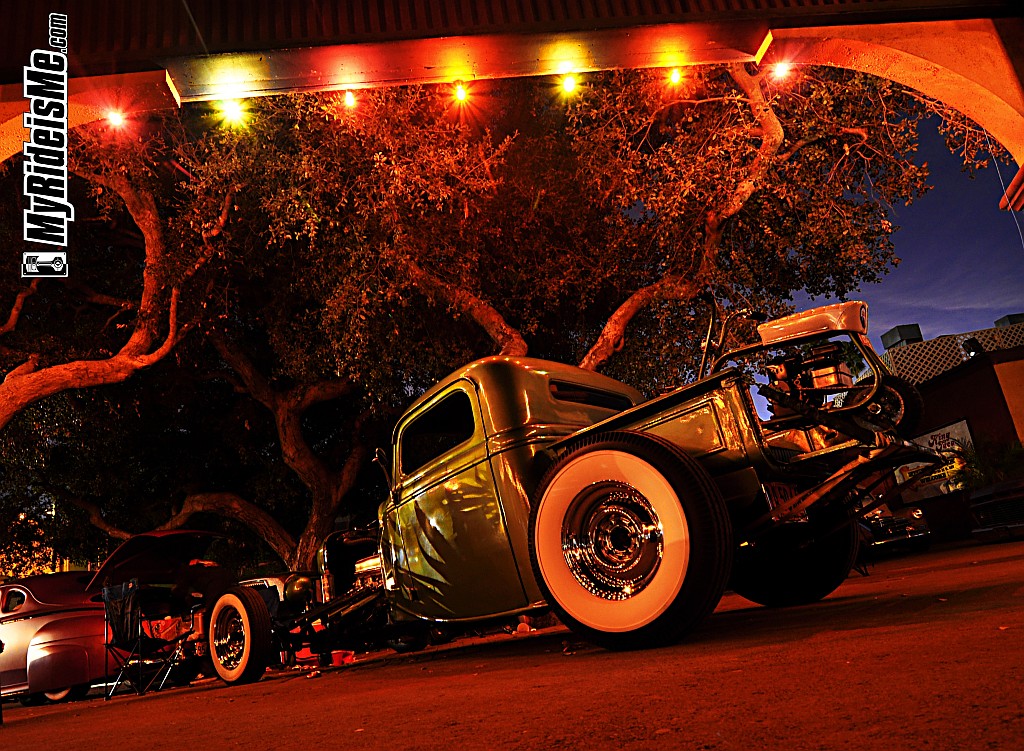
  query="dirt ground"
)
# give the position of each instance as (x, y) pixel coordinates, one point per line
(925, 653)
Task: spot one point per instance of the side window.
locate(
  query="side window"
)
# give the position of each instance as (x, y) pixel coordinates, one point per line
(438, 430)
(13, 600)
(573, 392)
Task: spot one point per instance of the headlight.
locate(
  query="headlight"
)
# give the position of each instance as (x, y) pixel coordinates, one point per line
(298, 590)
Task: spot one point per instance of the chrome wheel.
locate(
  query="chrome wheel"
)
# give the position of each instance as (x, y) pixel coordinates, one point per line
(228, 639)
(630, 540)
(612, 540)
(239, 635)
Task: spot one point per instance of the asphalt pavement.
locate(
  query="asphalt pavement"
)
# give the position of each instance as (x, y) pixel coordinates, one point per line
(926, 652)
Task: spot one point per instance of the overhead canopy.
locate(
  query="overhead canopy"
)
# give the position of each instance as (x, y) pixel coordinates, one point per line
(134, 57)
(465, 58)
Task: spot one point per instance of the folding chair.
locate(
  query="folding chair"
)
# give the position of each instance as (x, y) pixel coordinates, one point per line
(140, 659)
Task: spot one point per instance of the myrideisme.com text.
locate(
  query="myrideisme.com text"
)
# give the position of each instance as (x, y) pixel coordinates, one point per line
(48, 209)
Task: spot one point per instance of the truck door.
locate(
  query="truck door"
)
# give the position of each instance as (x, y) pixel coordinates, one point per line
(445, 531)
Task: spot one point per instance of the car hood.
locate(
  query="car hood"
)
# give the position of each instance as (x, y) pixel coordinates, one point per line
(152, 557)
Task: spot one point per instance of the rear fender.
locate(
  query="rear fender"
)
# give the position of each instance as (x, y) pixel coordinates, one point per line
(58, 666)
(67, 652)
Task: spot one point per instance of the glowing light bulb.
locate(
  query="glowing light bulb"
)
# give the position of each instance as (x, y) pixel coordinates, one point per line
(232, 111)
(461, 94)
(350, 99)
(569, 84)
(675, 76)
(781, 70)
(115, 118)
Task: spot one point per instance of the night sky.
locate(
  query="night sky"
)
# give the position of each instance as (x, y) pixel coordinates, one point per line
(962, 258)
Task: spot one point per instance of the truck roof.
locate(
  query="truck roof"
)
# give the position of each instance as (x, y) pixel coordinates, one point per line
(510, 390)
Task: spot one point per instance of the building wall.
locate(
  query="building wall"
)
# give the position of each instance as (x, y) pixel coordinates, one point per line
(1011, 380)
(973, 392)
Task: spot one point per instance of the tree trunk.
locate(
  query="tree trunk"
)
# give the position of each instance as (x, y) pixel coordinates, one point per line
(328, 489)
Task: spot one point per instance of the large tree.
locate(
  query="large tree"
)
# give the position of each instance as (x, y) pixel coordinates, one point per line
(333, 262)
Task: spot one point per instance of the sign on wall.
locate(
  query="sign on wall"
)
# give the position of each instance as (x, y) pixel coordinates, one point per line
(950, 437)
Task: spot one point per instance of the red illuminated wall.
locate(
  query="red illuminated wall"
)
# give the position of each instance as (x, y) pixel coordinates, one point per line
(986, 391)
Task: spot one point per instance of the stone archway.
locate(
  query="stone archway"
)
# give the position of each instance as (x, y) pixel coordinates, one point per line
(973, 66)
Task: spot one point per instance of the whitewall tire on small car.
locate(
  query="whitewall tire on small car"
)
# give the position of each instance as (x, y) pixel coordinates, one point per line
(239, 635)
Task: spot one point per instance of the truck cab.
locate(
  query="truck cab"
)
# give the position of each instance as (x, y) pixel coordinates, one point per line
(465, 459)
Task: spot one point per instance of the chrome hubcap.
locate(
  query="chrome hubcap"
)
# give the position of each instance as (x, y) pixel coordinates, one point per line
(229, 638)
(612, 540)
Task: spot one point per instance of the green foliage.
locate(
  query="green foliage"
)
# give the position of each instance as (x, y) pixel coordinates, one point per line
(25, 548)
(317, 232)
(987, 464)
(553, 214)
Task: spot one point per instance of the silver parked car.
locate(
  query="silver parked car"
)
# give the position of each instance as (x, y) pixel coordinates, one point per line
(53, 624)
(52, 630)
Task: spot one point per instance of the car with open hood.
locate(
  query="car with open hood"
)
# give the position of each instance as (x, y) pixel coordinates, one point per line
(52, 625)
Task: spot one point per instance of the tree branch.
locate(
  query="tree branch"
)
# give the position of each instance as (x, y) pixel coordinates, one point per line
(609, 341)
(25, 384)
(235, 507)
(172, 336)
(509, 341)
(287, 407)
(257, 386)
(649, 123)
(228, 505)
(99, 298)
(305, 397)
(785, 156)
(672, 284)
(222, 220)
(97, 520)
(772, 136)
(141, 205)
(214, 231)
(19, 303)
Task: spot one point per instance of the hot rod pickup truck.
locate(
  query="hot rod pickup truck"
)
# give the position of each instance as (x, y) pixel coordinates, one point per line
(517, 485)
